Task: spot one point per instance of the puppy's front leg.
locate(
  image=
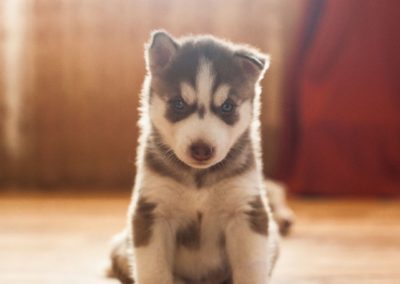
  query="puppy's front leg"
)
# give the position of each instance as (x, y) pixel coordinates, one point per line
(153, 245)
(252, 243)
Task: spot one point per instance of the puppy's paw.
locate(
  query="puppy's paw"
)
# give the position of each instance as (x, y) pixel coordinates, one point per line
(283, 215)
(285, 219)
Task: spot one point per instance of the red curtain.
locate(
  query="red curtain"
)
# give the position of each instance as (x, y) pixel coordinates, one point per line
(342, 104)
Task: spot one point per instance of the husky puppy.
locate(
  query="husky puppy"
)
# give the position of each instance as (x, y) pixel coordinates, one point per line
(199, 212)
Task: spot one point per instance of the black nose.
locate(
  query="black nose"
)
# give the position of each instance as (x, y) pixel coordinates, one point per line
(201, 151)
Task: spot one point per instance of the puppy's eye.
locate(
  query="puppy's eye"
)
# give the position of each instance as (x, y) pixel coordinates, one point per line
(228, 106)
(178, 104)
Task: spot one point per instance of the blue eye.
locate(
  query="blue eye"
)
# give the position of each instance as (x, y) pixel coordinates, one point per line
(227, 106)
(178, 104)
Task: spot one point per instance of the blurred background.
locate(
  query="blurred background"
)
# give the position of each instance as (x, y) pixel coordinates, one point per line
(71, 72)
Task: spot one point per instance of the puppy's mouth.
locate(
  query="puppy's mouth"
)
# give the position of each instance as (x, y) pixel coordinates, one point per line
(201, 165)
(201, 154)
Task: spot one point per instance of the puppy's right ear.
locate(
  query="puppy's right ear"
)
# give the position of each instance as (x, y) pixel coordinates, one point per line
(160, 50)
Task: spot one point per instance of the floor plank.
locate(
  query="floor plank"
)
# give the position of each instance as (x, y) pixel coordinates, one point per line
(62, 238)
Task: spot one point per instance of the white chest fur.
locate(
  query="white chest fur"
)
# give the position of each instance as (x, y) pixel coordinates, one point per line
(204, 213)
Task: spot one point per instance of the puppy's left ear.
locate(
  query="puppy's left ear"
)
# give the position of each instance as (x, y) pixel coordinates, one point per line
(160, 51)
(253, 63)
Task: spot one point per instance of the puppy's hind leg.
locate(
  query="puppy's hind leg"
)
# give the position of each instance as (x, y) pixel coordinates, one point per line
(121, 259)
(283, 215)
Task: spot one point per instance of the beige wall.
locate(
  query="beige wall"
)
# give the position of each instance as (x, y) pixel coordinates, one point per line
(71, 71)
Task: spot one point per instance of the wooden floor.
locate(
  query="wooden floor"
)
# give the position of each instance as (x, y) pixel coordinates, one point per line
(62, 238)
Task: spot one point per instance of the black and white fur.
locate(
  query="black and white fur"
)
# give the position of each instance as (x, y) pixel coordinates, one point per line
(199, 212)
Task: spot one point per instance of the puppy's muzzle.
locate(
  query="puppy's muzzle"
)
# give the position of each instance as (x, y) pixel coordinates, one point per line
(201, 151)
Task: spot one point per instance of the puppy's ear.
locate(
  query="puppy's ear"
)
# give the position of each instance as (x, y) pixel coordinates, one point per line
(160, 50)
(253, 63)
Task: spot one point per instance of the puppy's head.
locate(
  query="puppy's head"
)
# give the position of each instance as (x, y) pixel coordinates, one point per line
(202, 92)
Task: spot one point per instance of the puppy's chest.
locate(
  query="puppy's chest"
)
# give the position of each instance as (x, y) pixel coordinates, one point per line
(202, 212)
(199, 219)
(195, 211)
